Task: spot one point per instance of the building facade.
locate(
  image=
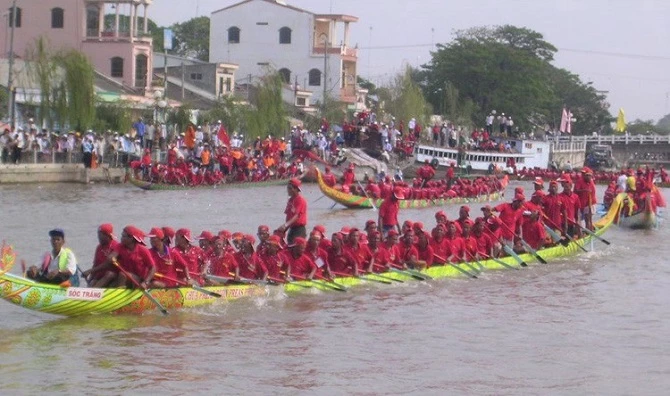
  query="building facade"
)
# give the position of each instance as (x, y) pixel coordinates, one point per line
(310, 51)
(119, 45)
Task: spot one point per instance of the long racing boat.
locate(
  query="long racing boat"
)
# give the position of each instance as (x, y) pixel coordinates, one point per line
(77, 301)
(362, 202)
(150, 185)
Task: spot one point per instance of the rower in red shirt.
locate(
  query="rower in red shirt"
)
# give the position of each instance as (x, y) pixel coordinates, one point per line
(438, 242)
(95, 276)
(572, 205)
(272, 256)
(485, 244)
(220, 262)
(339, 259)
(455, 242)
(248, 264)
(315, 252)
(470, 245)
(329, 178)
(192, 255)
(585, 189)
(554, 207)
(380, 256)
(358, 251)
(297, 263)
(296, 212)
(407, 256)
(167, 261)
(425, 253)
(533, 231)
(134, 257)
(509, 214)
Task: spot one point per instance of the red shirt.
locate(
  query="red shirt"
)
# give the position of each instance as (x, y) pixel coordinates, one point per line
(301, 266)
(554, 208)
(586, 192)
(388, 212)
(471, 247)
(342, 262)
(533, 233)
(361, 255)
(572, 205)
(319, 256)
(272, 263)
(102, 252)
(405, 252)
(440, 249)
(456, 246)
(297, 205)
(194, 258)
(221, 265)
(381, 258)
(138, 261)
(167, 263)
(484, 243)
(250, 267)
(425, 255)
(509, 217)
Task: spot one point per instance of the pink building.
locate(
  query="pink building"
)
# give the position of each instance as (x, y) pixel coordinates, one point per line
(118, 46)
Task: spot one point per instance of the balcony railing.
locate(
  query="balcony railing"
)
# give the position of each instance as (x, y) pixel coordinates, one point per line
(107, 35)
(340, 50)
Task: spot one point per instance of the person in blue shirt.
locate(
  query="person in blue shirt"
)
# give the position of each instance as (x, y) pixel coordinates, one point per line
(140, 128)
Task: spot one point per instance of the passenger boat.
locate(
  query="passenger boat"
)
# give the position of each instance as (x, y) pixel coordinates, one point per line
(77, 301)
(361, 202)
(528, 153)
(147, 185)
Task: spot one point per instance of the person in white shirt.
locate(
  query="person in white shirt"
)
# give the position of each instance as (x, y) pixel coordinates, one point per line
(489, 123)
(199, 135)
(411, 124)
(621, 182)
(149, 136)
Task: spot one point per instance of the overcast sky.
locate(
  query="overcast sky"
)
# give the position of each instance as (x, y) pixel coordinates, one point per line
(622, 46)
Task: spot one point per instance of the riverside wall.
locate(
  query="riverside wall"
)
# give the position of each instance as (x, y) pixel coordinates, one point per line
(58, 173)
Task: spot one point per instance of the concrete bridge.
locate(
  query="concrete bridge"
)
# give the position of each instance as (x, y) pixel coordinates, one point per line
(652, 150)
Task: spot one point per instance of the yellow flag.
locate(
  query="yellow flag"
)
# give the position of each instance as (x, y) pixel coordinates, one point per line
(620, 122)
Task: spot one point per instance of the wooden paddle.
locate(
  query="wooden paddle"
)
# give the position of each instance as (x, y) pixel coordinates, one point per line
(507, 249)
(593, 234)
(318, 283)
(565, 241)
(504, 264)
(341, 274)
(443, 260)
(144, 291)
(374, 207)
(414, 274)
(194, 287)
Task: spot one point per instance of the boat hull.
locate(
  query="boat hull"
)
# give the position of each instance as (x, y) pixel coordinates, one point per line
(145, 185)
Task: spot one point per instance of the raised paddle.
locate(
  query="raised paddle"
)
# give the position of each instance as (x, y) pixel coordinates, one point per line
(443, 260)
(194, 287)
(341, 274)
(384, 276)
(144, 291)
(374, 207)
(526, 246)
(593, 234)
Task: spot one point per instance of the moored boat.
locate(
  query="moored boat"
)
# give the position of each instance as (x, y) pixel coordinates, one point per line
(148, 185)
(362, 202)
(77, 301)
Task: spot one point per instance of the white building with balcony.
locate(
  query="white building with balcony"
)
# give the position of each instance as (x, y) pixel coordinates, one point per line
(309, 50)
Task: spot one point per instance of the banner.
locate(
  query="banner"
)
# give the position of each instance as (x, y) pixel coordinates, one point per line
(620, 122)
(167, 39)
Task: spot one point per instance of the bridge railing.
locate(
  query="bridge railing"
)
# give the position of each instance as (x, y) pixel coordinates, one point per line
(614, 139)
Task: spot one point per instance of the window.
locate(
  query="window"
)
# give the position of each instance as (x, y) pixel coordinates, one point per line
(233, 35)
(12, 18)
(315, 77)
(261, 23)
(141, 69)
(285, 75)
(285, 35)
(57, 18)
(301, 102)
(117, 66)
(196, 76)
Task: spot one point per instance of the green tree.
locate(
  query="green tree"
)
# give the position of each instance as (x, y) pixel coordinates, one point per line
(231, 113)
(113, 116)
(404, 99)
(663, 125)
(268, 115)
(192, 38)
(509, 69)
(641, 127)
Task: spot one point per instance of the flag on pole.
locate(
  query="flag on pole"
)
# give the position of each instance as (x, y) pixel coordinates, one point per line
(620, 122)
(568, 129)
(564, 121)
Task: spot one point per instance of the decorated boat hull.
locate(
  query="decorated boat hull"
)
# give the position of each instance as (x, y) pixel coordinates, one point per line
(641, 220)
(360, 202)
(75, 301)
(147, 185)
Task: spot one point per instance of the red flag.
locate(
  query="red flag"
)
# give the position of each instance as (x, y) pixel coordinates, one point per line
(223, 136)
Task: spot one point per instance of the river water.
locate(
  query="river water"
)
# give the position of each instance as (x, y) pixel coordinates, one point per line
(596, 323)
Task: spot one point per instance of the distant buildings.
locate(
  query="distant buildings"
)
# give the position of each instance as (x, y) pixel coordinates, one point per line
(310, 51)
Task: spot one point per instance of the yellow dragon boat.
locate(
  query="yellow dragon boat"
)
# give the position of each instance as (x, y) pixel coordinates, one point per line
(77, 301)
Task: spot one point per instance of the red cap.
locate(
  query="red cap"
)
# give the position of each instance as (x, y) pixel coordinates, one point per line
(225, 234)
(135, 233)
(107, 229)
(263, 228)
(398, 193)
(417, 226)
(169, 232)
(298, 241)
(587, 170)
(538, 193)
(237, 235)
(345, 230)
(466, 208)
(519, 197)
(156, 233)
(363, 239)
(440, 214)
(391, 233)
(249, 238)
(275, 240)
(321, 229)
(518, 190)
(487, 207)
(295, 183)
(539, 181)
(315, 235)
(206, 235)
(185, 232)
(369, 223)
(553, 183)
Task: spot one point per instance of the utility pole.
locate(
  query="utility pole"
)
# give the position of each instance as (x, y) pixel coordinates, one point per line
(10, 74)
(182, 81)
(325, 71)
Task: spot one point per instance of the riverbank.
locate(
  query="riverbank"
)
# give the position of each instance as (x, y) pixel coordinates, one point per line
(59, 173)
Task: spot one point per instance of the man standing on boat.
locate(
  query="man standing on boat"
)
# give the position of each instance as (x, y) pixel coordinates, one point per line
(296, 213)
(388, 211)
(585, 189)
(59, 265)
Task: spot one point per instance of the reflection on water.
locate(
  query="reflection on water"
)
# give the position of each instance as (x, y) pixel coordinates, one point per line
(558, 328)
